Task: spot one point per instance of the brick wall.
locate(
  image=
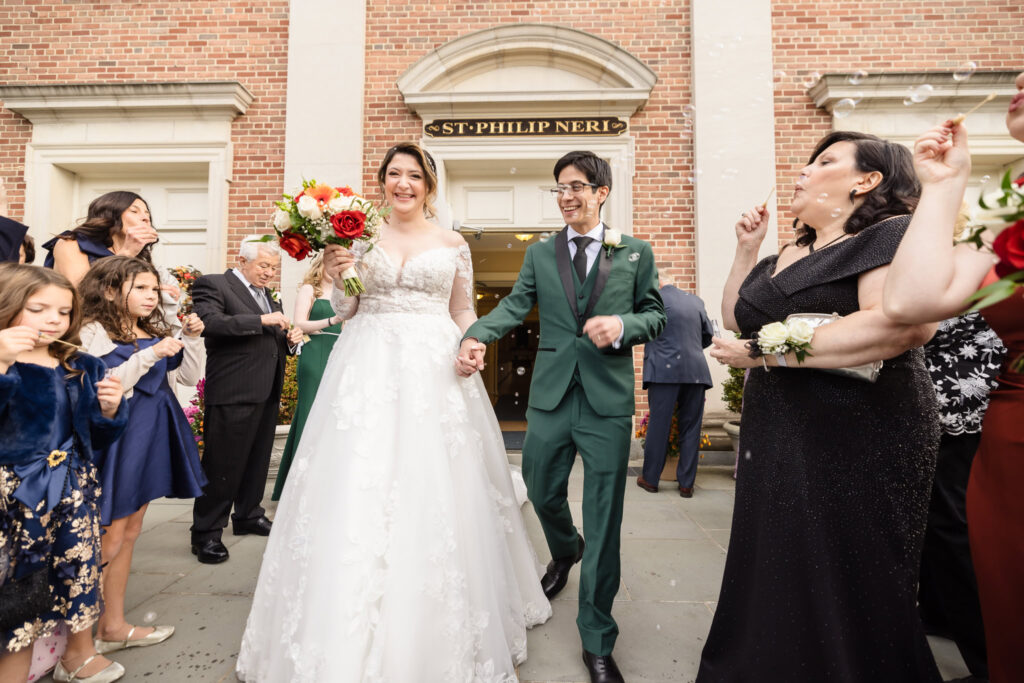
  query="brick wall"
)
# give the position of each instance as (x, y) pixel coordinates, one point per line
(172, 41)
(878, 36)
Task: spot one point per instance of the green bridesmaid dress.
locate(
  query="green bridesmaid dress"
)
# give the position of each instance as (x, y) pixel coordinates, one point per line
(312, 362)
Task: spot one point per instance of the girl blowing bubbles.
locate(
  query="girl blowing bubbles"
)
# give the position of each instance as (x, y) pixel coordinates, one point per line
(56, 408)
(157, 455)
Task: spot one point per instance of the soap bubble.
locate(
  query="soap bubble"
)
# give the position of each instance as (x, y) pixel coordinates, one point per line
(857, 77)
(965, 71)
(822, 198)
(746, 456)
(517, 394)
(835, 213)
(857, 97)
(779, 74)
(730, 173)
(843, 108)
(985, 179)
(633, 257)
(921, 93)
(811, 78)
(508, 246)
(149, 617)
(688, 111)
(672, 582)
(520, 371)
(512, 170)
(907, 101)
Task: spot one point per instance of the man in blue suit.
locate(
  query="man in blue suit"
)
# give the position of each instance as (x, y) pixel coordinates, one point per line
(676, 376)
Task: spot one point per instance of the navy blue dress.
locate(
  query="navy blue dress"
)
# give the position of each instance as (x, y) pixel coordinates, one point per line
(157, 456)
(93, 250)
(51, 426)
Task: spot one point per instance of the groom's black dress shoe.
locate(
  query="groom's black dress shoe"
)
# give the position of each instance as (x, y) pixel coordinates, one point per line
(602, 668)
(557, 575)
(210, 551)
(259, 526)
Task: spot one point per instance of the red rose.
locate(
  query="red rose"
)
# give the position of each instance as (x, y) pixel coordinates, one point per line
(295, 244)
(345, 191)
(349, 224)
(1009, 247)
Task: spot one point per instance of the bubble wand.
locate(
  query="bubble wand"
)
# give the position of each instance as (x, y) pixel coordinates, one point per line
(764, 204)
(960, 118)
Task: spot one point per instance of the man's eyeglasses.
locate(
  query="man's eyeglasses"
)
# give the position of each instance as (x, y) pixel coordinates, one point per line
(572, 188)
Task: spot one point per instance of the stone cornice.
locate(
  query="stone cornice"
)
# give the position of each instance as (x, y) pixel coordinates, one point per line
(890, 89)
(61, 102)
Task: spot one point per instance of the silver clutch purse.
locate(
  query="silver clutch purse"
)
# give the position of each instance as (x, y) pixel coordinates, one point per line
(867, 372)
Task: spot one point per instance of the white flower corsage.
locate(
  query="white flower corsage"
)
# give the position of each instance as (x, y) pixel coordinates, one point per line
(781, 338)
(612, 241)
(275, 295)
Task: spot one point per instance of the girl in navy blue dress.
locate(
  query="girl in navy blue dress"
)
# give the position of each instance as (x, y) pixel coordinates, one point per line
(56, 407)
(157, 455)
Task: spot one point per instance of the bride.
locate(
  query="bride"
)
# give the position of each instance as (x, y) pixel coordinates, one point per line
(398, 552)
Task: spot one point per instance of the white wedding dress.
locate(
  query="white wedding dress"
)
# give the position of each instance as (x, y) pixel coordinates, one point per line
(398, 553)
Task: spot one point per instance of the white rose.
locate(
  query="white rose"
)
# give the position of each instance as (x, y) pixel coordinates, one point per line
(800, 331)
(282, 220)
(772, 337)
(308, 208)
(612, 237)
(340, 203)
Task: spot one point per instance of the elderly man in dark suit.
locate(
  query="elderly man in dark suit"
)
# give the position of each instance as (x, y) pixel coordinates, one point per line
(676, 376)
(247, 339)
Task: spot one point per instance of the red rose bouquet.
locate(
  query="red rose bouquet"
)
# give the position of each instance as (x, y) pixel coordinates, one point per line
(318, 215)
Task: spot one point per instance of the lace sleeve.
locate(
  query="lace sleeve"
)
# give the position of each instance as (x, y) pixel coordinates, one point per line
(344, 306)
(461, 304)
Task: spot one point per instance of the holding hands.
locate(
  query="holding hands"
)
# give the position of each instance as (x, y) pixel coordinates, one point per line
(109, 392)
(470, 358)
(941, 155)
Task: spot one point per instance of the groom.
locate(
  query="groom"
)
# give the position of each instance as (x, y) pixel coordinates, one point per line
(597, 296)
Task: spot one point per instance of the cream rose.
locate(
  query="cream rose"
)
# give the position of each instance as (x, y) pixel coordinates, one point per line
(800, 331)
(340, 203)
(772, 337)
(612, 237)
(282, 220)
(308, 208)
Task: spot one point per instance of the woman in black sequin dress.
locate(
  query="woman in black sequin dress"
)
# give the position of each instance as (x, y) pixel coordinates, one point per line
(834, 472)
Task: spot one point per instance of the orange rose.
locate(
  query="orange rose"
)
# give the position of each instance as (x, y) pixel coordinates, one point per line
(321, 193)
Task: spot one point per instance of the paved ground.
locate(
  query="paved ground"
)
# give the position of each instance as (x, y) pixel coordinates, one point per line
(673, 553)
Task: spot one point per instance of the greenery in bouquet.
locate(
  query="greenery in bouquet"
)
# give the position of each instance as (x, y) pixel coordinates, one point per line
(196, 412)
(318, 215)
(186, 277)
(996, 210)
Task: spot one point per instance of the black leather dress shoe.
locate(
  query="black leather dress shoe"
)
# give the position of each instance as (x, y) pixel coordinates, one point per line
(259, 526)
(602, 668)
(557, 575)
(211, 551)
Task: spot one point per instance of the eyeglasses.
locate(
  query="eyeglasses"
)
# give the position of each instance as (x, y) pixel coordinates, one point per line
(571, 188)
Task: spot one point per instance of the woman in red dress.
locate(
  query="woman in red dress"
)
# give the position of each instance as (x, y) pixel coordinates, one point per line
(929, 281)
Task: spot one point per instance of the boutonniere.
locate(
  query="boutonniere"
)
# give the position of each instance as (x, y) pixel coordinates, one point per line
(275, 295)
(612, 241)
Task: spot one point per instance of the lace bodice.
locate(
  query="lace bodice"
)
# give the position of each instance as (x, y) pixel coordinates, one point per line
(435, 281)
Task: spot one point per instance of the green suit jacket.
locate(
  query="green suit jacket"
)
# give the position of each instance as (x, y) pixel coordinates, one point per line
(626, 285)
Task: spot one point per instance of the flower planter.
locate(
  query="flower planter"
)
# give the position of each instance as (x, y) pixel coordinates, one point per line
(732, 428)
(280, 437)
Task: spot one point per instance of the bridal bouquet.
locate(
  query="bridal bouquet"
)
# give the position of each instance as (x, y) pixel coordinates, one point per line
(1007, 207)
(318, 215)
(792, 335)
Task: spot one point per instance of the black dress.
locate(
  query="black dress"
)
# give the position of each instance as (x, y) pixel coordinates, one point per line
(831, 498)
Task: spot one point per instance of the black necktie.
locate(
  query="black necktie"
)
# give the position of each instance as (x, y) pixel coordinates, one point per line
(260, 299)
(579, 261)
